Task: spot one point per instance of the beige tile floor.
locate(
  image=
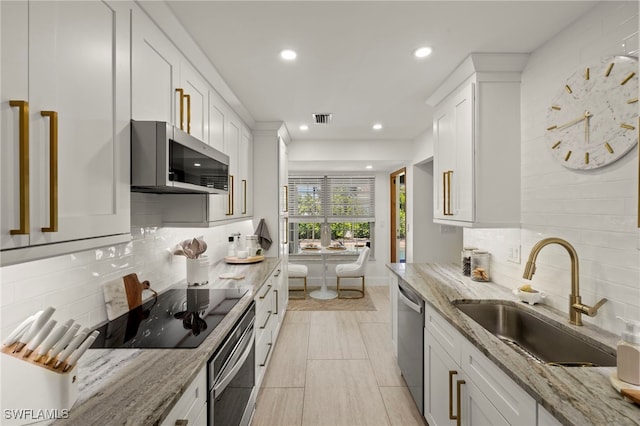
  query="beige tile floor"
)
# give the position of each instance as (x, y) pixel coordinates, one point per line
(336, 368)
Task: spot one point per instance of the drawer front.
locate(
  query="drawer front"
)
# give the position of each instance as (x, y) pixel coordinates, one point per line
(513, 403)
(443, 332)
(192, 402)
(264, 347)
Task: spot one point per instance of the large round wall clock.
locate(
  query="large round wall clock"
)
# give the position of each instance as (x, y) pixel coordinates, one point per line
(592, 120)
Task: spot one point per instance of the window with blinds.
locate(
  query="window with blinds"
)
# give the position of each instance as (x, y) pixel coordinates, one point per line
(346, 203)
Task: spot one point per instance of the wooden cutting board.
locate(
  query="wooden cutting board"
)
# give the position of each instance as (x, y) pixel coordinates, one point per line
(633, 395)
(250, 259)
(123, 294)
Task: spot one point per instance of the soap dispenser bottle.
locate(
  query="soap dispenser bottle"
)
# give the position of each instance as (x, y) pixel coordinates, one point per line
(629, 353)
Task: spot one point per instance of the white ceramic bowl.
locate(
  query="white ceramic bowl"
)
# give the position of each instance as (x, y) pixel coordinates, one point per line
(528, 297)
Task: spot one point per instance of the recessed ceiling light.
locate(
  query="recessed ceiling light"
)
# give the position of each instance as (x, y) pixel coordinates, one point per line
(422, 52)
(369, 166)
(377, 126)
(288, 54)
(304, 127)
(196, 164)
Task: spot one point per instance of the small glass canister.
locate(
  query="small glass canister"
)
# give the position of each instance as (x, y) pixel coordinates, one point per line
(465, 260)
(480, 266)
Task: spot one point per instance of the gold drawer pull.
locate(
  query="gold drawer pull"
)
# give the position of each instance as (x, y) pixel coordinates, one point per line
(24, 166)
(53, 170)
(267, 356)
(266, 292)
(263, 326)
(458, 419)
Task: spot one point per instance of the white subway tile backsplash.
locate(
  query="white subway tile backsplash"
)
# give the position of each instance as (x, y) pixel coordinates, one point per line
(73, 283)
(596, 211)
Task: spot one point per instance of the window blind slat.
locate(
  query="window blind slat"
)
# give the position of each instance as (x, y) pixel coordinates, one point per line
(340, 199)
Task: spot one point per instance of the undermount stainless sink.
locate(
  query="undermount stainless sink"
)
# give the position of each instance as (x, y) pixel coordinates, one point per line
(534, 337)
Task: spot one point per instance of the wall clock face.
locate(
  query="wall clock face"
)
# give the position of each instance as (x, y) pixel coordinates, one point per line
(593, 121)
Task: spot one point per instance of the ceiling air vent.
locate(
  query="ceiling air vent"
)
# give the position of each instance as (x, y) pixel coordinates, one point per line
(321, 118)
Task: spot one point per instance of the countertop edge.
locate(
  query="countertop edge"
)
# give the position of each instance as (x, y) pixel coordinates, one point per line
(137, 394)
(555, 388)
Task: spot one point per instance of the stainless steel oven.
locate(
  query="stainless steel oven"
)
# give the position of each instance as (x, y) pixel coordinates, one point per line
(231, 376)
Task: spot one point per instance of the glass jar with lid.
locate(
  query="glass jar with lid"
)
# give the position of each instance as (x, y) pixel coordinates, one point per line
(465, 260)
(480, 265)
(253, 246)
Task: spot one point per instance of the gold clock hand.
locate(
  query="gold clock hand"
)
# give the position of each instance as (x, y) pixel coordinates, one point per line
(571, 123)
(587, 115)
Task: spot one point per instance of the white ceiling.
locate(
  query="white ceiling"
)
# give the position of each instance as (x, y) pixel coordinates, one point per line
(355, 57)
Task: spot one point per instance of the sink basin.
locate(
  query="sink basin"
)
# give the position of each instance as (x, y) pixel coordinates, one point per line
(534, 337)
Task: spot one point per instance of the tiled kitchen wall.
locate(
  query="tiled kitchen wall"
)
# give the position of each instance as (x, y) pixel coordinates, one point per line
(73, 283)
(596, 211)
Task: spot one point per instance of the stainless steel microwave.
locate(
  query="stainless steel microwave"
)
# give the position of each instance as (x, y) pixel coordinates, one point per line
(165, 159)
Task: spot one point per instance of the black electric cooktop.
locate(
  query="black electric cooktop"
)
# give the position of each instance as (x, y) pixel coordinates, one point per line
(177, 318)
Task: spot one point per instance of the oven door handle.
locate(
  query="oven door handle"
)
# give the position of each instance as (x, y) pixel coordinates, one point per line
(222, 384)
(410, 303)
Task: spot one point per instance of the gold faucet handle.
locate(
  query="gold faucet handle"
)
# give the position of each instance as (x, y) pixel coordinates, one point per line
(589, 310)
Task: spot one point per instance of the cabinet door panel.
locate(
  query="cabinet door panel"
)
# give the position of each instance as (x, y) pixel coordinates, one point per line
(198, 91)
(155, 68)
(462, 180)
(477, 409)
(86, 81)
(15, 86)
(437, 366)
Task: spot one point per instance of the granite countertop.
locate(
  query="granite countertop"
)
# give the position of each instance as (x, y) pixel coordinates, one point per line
(141, 386)
(575, 396)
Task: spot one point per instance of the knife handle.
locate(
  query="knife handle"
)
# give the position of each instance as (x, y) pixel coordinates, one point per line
(60, 345)
(35, 342)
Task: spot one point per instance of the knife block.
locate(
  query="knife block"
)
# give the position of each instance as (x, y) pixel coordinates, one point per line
(32, 392)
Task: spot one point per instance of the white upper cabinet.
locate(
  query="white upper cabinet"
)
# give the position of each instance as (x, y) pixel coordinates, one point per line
(65, 125)
(155, 72)
(476, 131)
(167, 87)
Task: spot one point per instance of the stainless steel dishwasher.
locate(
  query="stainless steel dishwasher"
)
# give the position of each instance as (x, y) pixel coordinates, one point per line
(411, 341)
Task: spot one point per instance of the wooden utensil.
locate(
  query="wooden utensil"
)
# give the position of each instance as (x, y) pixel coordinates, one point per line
(632, 394)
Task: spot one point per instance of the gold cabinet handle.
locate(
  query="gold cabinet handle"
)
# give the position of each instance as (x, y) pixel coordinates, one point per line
(24, 166)
(182, 422)
(263, 326)
(244, 196)
(231, 197)
(444, 193)
(188, 98)
(286, 198)
(449, 174)
(451, 374)
(458, 418)
(286, 231)
(53, 170)
(181, 91)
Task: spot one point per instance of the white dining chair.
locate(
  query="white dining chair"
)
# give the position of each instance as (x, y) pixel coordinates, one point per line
(353, 270)
(297, 271)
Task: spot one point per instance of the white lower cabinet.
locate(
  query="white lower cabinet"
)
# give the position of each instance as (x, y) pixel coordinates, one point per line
(271, 304)
(393, 299)
(191, 409)
(463, 387)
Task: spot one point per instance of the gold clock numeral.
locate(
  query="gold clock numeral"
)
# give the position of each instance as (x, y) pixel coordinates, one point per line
(555, 145)
(556, 107)
(606, 145)
(627, 78)
(568, 89)
(552, 127)
(632, 101)
(586, 158)
(586, 74)
(627, 126)
(566, 157)
(609, 68)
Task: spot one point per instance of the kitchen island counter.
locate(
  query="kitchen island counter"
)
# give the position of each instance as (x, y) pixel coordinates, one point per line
(574, 395)
(141, 386)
